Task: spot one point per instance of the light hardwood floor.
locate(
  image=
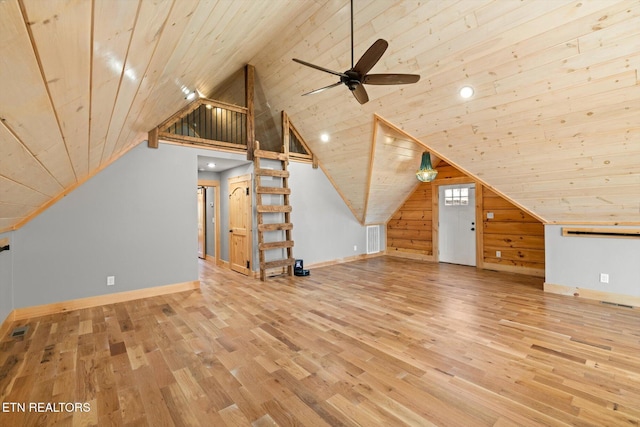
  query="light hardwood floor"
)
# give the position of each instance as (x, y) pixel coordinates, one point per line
(378, 342)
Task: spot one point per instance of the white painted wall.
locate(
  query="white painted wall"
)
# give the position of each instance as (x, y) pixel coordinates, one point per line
(134, 220)
(324, 229)
(578, 261)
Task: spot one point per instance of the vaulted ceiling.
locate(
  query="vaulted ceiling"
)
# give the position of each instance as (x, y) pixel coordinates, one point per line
(553, 123)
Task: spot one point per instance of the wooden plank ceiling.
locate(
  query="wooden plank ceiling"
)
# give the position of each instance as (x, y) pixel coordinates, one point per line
(553, 123)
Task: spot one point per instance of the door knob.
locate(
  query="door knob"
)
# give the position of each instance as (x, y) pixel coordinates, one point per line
(473, 229)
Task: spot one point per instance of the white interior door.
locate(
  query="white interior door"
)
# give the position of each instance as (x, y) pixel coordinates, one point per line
(457, 224)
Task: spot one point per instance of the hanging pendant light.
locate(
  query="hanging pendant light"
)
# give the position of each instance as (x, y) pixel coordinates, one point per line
(426, 173)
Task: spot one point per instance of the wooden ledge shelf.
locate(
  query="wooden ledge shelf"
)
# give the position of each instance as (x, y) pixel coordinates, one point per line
(613, 233)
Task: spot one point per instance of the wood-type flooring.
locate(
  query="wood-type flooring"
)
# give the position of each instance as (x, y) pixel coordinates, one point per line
(377, 342)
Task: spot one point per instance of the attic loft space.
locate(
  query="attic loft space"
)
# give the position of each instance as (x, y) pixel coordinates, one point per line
(224, 124)
(206, 122)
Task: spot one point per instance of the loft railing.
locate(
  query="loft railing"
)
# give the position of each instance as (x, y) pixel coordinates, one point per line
(293, 143)
(215, 124)
(210, 123)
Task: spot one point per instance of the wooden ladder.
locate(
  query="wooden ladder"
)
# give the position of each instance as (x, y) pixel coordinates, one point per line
(273, 230)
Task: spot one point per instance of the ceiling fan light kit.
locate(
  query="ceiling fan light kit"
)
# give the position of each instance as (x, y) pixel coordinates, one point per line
(355, 77)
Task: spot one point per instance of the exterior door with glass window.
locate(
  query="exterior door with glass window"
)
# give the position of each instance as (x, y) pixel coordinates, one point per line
(457, 226)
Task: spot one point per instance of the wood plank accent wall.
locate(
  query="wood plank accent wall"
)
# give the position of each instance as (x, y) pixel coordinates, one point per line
(517, 235)
(409, 231)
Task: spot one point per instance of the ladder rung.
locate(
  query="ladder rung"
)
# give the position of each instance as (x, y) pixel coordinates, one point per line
(273, 208)
(272, 172)
(276, 245)
(278, 263)
(275, 226)
(270, 155)
(273, 190)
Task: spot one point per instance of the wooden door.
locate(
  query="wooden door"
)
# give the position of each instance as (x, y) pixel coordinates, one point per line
(240, 224)
(457, 224)
(202, 238)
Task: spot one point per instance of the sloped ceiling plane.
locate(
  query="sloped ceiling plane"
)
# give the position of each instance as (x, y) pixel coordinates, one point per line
(553, 122)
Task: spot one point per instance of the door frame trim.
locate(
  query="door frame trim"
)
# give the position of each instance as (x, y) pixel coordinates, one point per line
(202, 221)
(216, 189)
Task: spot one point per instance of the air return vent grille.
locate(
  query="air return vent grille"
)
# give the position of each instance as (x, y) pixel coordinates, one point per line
(19, 332)
(615, 233)
(373, 239)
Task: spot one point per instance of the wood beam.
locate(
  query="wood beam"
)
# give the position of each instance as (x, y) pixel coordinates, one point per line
(285, 133)
(249, 84)
(153, 140)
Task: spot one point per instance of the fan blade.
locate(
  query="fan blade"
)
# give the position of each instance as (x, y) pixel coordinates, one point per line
(371, 57)
(360, 94)
(326, 70)
(322, 88)
(390, 79)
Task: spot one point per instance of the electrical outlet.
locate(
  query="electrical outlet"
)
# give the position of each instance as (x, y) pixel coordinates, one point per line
(111, 280)
(489, 215)
(355, 248)
(604, 278)
(498, 254)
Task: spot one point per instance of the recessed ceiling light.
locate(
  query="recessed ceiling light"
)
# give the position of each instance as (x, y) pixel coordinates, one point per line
(211, 165)
(209, 106)
(324, 137)
(466, 92)
(191, 96)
